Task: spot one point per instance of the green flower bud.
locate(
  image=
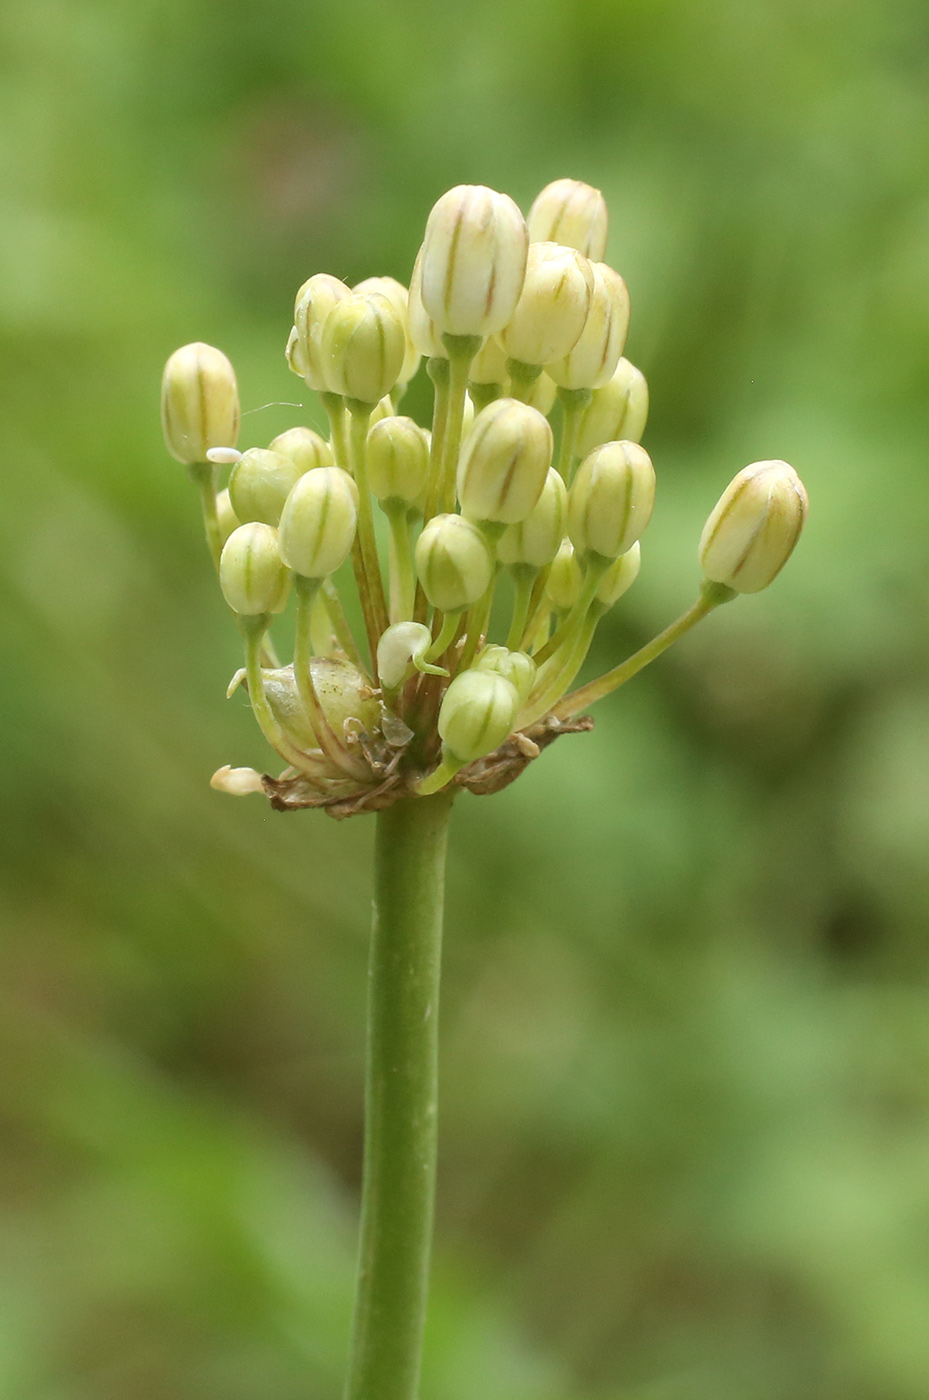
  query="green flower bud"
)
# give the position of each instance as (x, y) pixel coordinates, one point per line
(474, 259)
(304, 447)
(516, 666)
(228, 520)
(504, 462)
(453, 562)
(423, 330)
(489, 364)
(572, 214)
(592, 361)
(199, 403)
(398, 459)
(318, 522)
(565, 580)
(540, 394)
(384, 408)
(552, 307)
(363, 345)
(753, 529)
(617, 412)
(620, 576)
(478, 712)
(536, 539)
(611, 499)
(315, 299)
(260, 483)
(341, 689)
(251, 573)
(399, 298)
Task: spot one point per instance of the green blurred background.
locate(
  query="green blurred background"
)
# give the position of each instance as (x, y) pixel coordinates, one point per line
(685, 1123)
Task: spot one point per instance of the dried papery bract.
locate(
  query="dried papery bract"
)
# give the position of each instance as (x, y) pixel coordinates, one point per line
(572, 214)
(753, 529)
(199, 403)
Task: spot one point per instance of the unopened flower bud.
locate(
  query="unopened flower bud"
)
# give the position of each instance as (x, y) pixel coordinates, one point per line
(398, 459)
(399, 298)
(571, 213)
(478, 712)
(238, 782)
(363, 345)
(474, 259)
(401, 646)
(251, 573)
(611, 499)
(384, 408)
(304, 447)
(504, 462)
(315, 299)
(540, 393)
(199, 402)
(536, 539)
(617, 412)
(226, 516)
(754, 527)
(620, 576)
(453, 562)
(342, 691)
(489, 364)
(260, 483)
(424, 332)
(565, 580)
(516, 666)
(592, 360)
(553, 305)
(318, 522)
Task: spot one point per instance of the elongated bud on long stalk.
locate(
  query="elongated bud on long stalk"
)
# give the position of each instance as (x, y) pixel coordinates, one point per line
(398, 459)
(424, 332)
(318, 522)
(591, 362)
(399, 298)
(504, 462)
(304, 447)
(617, 411)
(474, 260)
(620, 576)
(363, 345)
(611, 500)
(565, 580)
(226, 517)
(573, 214)
(453, 563)
(516, 666)
(251, 573)
(260, 483)
(478, 712)
(535, 539)
(315, 299)
(754, 527)
(553, 305)
(199, 402)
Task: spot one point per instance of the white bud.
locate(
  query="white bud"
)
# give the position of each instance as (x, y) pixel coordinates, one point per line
(504, 462)
(318, 522)
(453, 562)
(474, 259)
(573, 214)
(478, 713)
(620, 576)
(363, 345)
(754, 527)
(565, 580)
(592, 361)
(398, 459)
(399, 298)
(552, 307)
(315, 299)
(199, 403)
(617, 411)
(535, 540)
(611, 499)
(251, 574)
(304, 447)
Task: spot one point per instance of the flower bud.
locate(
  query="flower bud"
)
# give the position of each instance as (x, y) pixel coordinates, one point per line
(571, 213)
(478, 713)
(315, 299)
(260, 483)
(401, 646)
(226, 516)
(453, 562)
(474, 260)
(552, 307)
(489, 364)
(304, 447)
(540, 394)
(564, 581)
(398, 459)
(423, 330)
(399, 298)
(238, 782)
(384, 408)
(610, 501)
(199, 402)
(516, 666)
(617, 412)
(504, 462)
(620, 576)
(592, 361)
(536, 539)
(251, 573)
(318, 522)
(754, 527)
(341, 689)
(363, 345)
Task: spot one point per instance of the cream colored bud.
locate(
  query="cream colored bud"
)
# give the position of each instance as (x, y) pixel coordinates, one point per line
(199, 402)
(592, 361)
(363, 344)
(573, 214)
(318, 522)
(565, 580)
(754, 527)
(237, 782)
(474, 260)
(251, 573)
(504, 462)
(489, 364)
(540, 393)
(536, 539)
(611, 499)
(226, 516)
(478, 713)
(384, 408)
(400, 647)
(315, 299)
(304, 447)
(399, 298)
(620, 576)
(423, 330)
(398, 459)
(516, 666)
(260, 483)
(617, 412)
(552, 307)
(453, 562)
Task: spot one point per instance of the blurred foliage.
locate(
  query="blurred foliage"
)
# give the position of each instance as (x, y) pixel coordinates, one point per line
(686, 1044)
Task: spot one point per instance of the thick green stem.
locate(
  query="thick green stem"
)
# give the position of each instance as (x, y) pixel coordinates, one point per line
(401, 1100)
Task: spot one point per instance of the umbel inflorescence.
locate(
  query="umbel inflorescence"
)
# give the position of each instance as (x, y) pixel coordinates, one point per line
(519, 321)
